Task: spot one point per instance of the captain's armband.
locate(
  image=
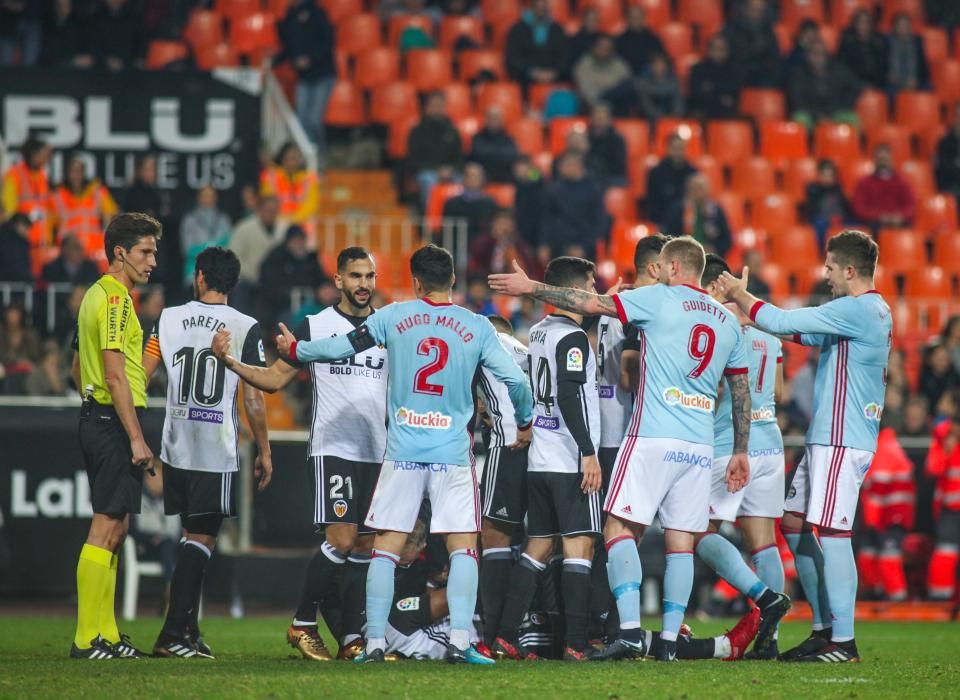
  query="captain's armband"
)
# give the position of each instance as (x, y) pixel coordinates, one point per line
(360, 339)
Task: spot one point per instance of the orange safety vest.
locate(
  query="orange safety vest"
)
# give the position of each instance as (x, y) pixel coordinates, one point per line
(945, 467)
(33, 195)
(889, 491)
(80, 216)
(291, 193)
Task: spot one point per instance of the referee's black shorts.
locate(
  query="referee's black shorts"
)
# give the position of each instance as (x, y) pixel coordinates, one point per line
(116, 483)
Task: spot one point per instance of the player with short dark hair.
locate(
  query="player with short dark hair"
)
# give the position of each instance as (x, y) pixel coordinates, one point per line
(200, 449)
(853, 332)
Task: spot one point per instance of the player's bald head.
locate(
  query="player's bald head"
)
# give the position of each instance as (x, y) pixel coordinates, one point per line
(687, 253)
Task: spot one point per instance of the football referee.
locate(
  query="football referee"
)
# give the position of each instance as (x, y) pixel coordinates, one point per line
(108, 369)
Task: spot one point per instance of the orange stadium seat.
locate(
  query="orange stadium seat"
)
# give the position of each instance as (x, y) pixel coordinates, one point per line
(927, 142)
(204, 28)
(797, 174)
(439, 195)
(777, 278)
(544, 163)
(251, 32)
(946, 251)
(795, 248)
(528, 135)
(610, 14)
(901, 250)
(751, 239)
(161, 53)
(454, 27)
(763, 104)
(504, 95)
(231, 9)
(782, 141)
(637, 174)
(428, 69)
(636, 134)
(559, 10)
(683, 66)
(710, 168)
(278, 8)
(688, 129)
(872, 108)
(837, 142)
(936, 45)
(894, 136)
(619, 204)
(946, 80)
(753, 177)
(503, 194)
(677, 39)
(537, 94)
(793, 12)
(376, 67)
(498, 13)
(216, 56)
(399, 23)
(892, 8)
(917, 111)
(658, 11)
(346, 106)
(472, 61)
(852, 171)
(929, 288)
(842, 11)
(399, 136)
(707, 15)
(885, 283)
(393, 101)
(936, 213)
(560, 127)
(459, 102)
(773, 213)
(358, 33)
(784, 40)
(338, 10)
(732, 204)
(468, 127)
(729, 140)
(919, 175)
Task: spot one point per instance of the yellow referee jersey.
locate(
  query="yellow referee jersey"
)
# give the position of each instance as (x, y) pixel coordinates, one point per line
(107, 322)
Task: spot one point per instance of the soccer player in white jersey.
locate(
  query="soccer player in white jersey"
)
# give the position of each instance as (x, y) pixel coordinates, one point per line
(853, 332)
(760, 502)
(504, 484)
(563, 474)
(663, 468)
(348, 437)
(200, 452)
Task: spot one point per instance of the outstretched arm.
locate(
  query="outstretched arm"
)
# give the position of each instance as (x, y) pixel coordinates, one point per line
(269, 379)
(517, 284)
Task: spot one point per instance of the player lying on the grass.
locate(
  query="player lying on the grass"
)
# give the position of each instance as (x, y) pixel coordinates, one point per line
(853, 332)
(200, 451)
(344, 454)
(434, 349)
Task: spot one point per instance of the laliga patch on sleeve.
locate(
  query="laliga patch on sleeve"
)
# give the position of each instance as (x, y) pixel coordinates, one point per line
(263, 356)
(574, 360)
(408, 604)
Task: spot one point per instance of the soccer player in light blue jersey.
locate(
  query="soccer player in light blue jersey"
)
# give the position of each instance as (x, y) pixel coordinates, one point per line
(853, 332)
(689, 342)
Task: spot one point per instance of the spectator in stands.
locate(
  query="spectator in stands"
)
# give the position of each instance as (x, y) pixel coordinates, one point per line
(494, 148)
(65, 325)
(493, 252)
(82, 207)
(950, 337)
(15, 250)
(116, 38)
(479, 298)
(864, 51)
(667, 181)
(947, 162)
(907, 59)
(825, 204)
(637, 45)
(807, 34)
(528, 200)
(143, 195)
(203, 227)
(19, 342)
(26, 189)
(607, 157)
(287, 266)
(49, 375)
(72, 266)
(472, 204)
(20, 29)
(582, 42)
(884, 199)
(715, 83)
(537, 47)
(658, 90)
(822, 89)
(307, 41)
(756, 284)
(937, 374)
(295, 186)
(434, 151)
(700, 217)
(753, 45)
(600, 71)
(573, 216)
(63, 36)
(152, 301)
(252, 239)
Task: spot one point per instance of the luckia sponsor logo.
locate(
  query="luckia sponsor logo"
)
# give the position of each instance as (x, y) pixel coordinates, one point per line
(431, 420)
(695, 402)
(762, 414)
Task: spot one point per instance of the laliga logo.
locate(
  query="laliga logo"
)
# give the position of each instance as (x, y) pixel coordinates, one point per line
(872, 411)
(431, 420)
(696, 402)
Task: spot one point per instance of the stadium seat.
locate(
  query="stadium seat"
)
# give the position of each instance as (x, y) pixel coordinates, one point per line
(894, 136)
(544, 163)
(504, 95)
(468, 127)
(927, 142)
(537, 94)
(346, 106)
(133, 569)
(751, 239)
(658, 12)
(917, 111)
(503, 194)
(454, 27)
(842, 11)
(763, 104)
(946, 251)
(399, 23)
(558, 130)
(338, 10)
(936, 213)
(946, 80)
(936, 45)
(688, 129)
(161, 53)
(852, 171)
(753, 177)
(376, 67)
(619, 204)
(729, 140)
(710, 168)
(677, 39)
(393, 101)
(706, 15)
(251, 32)
(872, 108)
(610, 13)
(624, 235)
(733, 206)
(793, 12)
(928, 289)
(782, 141)
(773, 213)
(919, 175)
(232, 9)
(204, 28)
(399, 136)
(892, 8)
(428, 69)
(795, 248)
(439, 195)
(559, 10)
(636, 134)
(637, 174)
(682, 66)
(782, 35)
(797, 174)
(216, 56)
(777, 278)
(472, 61)
(358, 33)
(528, 135)
(838, 142)
(459, 101)
(901, 250)
(500, 13)
(278, 8)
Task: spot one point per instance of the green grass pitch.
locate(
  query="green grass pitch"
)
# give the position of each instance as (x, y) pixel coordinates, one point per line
(901, 660)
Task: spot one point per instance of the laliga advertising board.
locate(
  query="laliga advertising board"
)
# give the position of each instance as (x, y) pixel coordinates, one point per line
(204, 128)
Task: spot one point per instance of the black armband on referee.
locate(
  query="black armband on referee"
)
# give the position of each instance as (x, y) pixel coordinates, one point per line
(360, 339)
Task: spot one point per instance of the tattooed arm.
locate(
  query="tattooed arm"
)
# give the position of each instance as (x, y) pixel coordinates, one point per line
(740, 400)
(578, 301)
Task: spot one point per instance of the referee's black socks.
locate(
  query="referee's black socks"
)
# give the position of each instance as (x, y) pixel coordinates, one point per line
(185, 588)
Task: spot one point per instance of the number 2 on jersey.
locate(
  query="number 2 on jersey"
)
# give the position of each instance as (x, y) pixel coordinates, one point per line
(703, 340)
(421, 380)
